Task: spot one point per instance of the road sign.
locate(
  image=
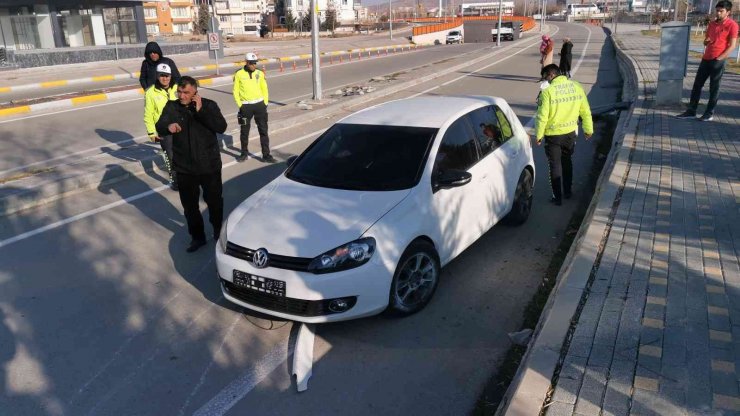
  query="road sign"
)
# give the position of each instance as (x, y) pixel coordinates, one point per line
(214, 42)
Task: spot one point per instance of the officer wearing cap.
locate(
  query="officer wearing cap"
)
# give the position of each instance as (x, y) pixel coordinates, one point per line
(155, 98)
(559, 107)
(250, 94)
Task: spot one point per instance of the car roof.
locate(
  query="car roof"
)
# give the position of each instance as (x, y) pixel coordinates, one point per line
(423, 111)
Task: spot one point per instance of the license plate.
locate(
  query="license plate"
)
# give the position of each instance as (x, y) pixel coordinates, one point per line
(260, 284)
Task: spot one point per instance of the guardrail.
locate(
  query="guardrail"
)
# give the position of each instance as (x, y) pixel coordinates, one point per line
(528, 23)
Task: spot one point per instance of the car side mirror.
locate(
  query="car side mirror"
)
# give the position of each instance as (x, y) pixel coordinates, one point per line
(291, 160)
(451, 178)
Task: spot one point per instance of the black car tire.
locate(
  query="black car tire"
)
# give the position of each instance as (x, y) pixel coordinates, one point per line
(523, 197)
(419, 264)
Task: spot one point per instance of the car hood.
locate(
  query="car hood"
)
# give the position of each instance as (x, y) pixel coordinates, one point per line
(293, 219)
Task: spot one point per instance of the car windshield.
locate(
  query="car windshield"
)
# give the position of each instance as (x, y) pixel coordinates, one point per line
(454, 33)
(365, 158)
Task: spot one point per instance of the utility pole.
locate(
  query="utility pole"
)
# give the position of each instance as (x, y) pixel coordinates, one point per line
(675, 11)
(616, 17)
(498, 33)
(542, 17)
(315, 56)
(390, 16)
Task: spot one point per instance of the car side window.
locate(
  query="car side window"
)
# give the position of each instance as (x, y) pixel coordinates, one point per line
(457, 150)
(506, 131)
(487, 130)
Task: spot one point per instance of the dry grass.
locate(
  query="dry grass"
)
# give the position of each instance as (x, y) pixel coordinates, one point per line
(732, 65)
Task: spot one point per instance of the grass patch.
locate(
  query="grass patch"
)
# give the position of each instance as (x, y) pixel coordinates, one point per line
(497, 385)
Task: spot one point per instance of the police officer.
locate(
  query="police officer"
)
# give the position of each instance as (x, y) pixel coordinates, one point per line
(155, 98)
(559, 107)
(250, 94)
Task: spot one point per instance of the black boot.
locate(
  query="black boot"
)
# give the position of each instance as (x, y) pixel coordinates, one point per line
(557, 194)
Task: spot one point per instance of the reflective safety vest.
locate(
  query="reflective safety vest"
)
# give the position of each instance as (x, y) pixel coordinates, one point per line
(559, 107)
(154, 101)
(250, 88)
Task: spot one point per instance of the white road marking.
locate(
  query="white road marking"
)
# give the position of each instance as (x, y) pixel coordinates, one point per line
(210, 364)
(239, 388)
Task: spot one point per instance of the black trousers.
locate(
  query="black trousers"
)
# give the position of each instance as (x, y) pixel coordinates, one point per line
(166, 143)
(259, 112)
(189, 189)
(559, 150)
(713, 70)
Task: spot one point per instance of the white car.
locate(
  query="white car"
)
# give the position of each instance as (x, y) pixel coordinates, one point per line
(454, 36)
(363, 220)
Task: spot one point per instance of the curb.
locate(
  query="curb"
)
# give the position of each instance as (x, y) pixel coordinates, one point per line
(135, 75)
(535, 377)
(56, 189)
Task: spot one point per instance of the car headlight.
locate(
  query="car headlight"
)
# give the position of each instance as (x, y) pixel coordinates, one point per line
(222, 238)
(347, 256)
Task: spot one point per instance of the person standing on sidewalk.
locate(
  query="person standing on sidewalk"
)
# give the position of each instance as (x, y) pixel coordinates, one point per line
(152, 58)
(566, 57)
(156, 97)
(720, 41)
(559, 107)
(194, 123)
(251, 96)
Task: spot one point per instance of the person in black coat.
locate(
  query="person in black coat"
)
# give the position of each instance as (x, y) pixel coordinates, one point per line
(194, 122)
(152, 58)
(566, 57)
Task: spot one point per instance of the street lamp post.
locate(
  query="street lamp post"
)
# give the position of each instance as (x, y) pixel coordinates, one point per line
(498, 33)
(315, 57)
(390, 16)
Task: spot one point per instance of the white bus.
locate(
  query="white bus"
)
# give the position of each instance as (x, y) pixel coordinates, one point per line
(582, 9)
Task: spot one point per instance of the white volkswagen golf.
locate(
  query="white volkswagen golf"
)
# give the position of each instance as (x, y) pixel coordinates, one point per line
(364, 219)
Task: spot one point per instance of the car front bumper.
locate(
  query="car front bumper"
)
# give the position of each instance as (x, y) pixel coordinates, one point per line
(307, 295)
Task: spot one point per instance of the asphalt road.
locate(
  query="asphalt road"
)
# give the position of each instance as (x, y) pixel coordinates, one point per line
(233, 52)
(103, 312)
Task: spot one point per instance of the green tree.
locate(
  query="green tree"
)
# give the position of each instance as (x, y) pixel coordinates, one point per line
(201, 24)
(290, 21)
(330, 20)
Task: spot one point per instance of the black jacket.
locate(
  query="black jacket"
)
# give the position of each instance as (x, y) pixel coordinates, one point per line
(148, 75)
(195, 148)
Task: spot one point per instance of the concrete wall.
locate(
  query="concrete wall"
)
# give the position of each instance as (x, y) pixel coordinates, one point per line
(43, 18)
(47, 57)
(432, 37)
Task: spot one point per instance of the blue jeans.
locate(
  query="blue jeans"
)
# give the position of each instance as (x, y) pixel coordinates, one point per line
(707, 69)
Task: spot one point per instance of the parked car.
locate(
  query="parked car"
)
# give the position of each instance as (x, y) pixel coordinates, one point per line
(507, 31)
(454, 36)
(229, 36)
(364, 219)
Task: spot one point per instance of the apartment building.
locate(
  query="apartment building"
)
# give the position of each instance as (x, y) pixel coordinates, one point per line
(169, 16)
(345, 9)
(241, 16)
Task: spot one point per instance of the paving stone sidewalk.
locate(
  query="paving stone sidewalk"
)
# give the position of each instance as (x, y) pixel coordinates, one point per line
(660, 330)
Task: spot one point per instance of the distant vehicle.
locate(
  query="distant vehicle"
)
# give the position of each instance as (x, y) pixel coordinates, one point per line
(582, 9)
(229, 36)
(507, 31)
(252, 30)
(455, 36)
(365, 218)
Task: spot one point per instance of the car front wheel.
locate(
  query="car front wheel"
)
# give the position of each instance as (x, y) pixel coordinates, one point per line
(415, 280)
(522, 199)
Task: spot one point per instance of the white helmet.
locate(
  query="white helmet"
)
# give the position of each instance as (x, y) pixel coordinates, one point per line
(251, 57)
(164, 69)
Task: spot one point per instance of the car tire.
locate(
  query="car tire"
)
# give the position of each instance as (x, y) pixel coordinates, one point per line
(415, 280)
(523, 197)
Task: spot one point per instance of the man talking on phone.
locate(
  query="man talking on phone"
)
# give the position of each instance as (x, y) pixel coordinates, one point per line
(194, 122)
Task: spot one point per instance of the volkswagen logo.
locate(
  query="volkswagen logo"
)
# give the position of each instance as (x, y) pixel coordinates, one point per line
(260, 258)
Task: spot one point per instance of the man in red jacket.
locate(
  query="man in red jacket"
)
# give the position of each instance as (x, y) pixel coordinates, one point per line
(720, 41)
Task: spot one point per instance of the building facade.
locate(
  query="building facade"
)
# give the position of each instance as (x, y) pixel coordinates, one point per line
(47, 24)
(169, 16)
(240, 17)
(345, 9)
(486, 9)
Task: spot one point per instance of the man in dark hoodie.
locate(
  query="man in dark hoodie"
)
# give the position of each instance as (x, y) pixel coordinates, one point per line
(194, 123)
(566, 57)
(152, 58)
